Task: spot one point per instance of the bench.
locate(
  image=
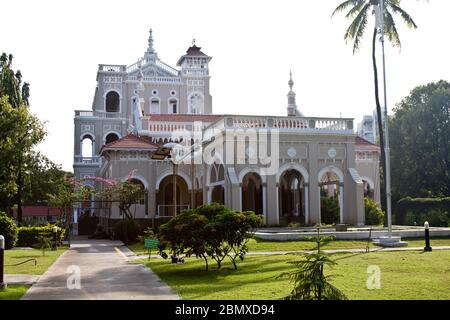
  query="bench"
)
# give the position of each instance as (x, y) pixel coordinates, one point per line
(150, 244)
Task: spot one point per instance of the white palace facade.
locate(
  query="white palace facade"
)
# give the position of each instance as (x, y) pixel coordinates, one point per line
(278, 167)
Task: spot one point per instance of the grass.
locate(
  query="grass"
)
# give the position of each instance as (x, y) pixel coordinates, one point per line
(256, 245)
(404, 275)
(13, 292)
(43, 262)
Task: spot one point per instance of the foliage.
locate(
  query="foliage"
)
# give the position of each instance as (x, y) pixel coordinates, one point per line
(44, 241)
(29, 236)
(329, 210)
(127, 230)
(436, 218)
(417, 206)
(208, 231)
(8, 229)
(373, 213)
(310, 282)
(125, 193)
(420, 143)
(11, 83)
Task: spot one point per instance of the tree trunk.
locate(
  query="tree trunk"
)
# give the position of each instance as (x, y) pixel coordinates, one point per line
(19, 192)
(379, 118)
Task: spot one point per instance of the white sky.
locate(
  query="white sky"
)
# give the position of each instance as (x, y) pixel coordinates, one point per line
(254, 43)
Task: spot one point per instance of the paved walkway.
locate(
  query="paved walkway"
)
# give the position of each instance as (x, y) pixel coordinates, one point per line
(105, 274)
(265, 253)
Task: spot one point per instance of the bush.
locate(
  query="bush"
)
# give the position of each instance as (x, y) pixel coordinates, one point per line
(374, 214)
(29, 236)
(8, 229)
(329, 210)
(436, 218)
(420, 205)
(208, 231)
(127, 231)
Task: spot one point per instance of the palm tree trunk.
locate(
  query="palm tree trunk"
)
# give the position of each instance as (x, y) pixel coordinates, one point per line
(379, 118)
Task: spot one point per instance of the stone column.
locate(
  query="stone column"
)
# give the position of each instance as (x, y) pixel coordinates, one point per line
(314, 194)
(272, 201)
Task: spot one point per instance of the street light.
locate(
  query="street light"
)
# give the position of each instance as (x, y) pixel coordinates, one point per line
(2, 262)
(55, 237)
(427, 237)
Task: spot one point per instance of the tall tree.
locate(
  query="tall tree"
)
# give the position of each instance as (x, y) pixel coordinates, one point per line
(420, 143)
(359, 11)
(11, 83)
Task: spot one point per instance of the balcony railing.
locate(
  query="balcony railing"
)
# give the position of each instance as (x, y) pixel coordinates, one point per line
(99, 114)
(80, 160)
(112, 68)
(306, 124)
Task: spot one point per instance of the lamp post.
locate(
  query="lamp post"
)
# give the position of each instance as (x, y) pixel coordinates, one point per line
(55, 237)
(427, 237)
(2, 262)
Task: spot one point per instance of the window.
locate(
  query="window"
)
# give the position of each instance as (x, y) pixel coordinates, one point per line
(111, 137)
(173, 106)
(154, 106)
(87, 147)
(112, 103)
(196, 103)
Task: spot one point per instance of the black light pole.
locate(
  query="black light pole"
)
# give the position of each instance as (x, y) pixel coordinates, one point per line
(427, 237)
(2, 262)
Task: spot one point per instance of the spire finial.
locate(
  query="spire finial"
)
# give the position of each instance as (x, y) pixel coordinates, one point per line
(290, 83)
(193, 41)
(150, 41)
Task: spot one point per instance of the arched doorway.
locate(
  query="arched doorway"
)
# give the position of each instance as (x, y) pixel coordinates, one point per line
(216, 183)
(368, 188)
(164, 197)
(112, 102)
(331, 195)
(292, 197)
(252, 193)
(87, 146)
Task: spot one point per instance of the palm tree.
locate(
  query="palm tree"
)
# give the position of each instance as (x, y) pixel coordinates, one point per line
(359, 12)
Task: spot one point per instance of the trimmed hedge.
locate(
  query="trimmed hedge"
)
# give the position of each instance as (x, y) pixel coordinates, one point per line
(28, 236)
(127, 230)
(8, 229)
(416, 206)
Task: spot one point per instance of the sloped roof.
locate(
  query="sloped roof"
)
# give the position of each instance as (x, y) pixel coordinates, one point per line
(38, 211)
(362, 143)
(183, 117)
(193, 51)
(130, 141)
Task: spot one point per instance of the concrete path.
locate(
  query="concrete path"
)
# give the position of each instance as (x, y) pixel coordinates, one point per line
(21, 278)
(105, 274)
(265, 253)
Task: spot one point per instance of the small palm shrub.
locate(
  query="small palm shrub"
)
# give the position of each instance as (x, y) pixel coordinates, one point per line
(374, 214)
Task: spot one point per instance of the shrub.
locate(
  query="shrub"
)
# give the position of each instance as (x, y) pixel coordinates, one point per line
(374, 214)
(436, 218)
(8, 229)
(208, 231)
(417, 205)
(127, 230)
(29, 236)
(329, 210)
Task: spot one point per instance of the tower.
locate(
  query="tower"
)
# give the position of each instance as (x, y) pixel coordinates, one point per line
(195, 74)
(292, 110)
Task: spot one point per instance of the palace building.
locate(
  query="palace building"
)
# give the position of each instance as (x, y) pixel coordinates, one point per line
(279, 167)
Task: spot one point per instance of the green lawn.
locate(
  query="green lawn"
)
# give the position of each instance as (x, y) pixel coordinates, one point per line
(261, 245)
(43, 262)
(404, 275)
(13, 292)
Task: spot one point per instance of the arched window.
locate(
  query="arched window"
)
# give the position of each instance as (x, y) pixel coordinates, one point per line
(87, 147)
(112, 103)
(111, 137)
(196, 103)
(173, 106)
(154, 106)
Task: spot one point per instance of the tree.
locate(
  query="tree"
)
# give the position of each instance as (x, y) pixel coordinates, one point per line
(359, 12)
(310, 281)
(11, 83)
(420, 143)
(21, 131)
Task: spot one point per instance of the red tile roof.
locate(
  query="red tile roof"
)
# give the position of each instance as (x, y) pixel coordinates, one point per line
(130, 141)
(362, 143)
(184, 117)
(38, 211)
(193, 51)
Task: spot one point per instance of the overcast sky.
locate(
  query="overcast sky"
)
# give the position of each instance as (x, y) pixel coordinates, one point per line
(58, 45)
